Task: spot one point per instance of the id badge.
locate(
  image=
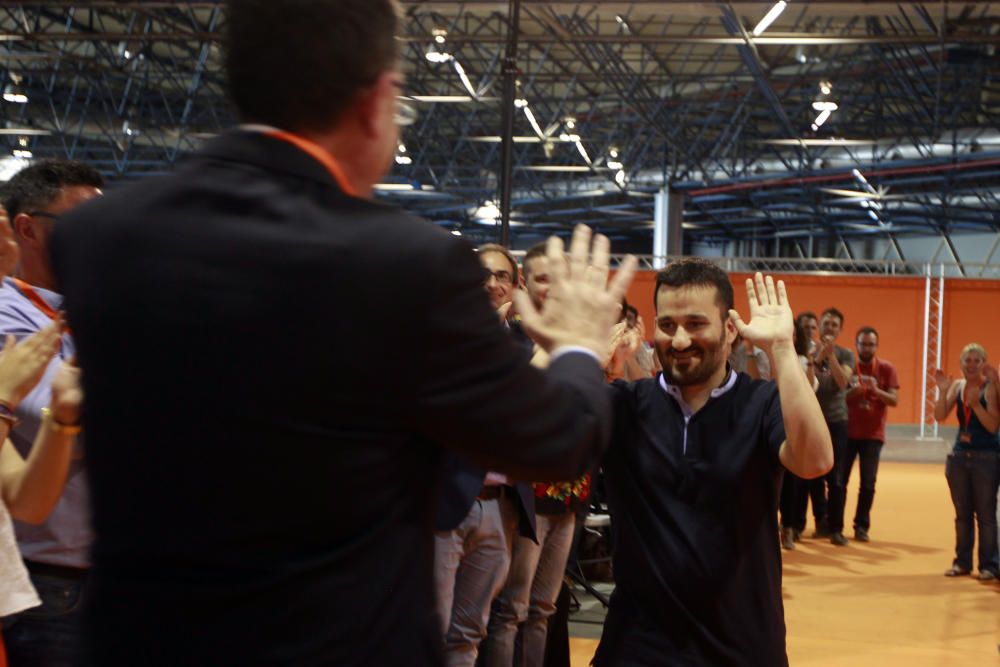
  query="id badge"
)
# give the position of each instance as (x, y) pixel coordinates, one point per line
(965, 437)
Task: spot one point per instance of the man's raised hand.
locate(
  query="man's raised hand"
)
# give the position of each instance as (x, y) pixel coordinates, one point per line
(771, 319)
(582, 306)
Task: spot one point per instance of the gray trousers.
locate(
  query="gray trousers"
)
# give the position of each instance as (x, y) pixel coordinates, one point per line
(470, 567)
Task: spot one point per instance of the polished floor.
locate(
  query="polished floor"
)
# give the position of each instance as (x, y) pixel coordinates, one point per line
(885, 603)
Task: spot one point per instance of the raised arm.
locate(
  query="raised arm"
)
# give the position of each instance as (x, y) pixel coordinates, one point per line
(807, 450)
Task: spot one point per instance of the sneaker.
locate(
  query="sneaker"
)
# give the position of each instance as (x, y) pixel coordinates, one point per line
(861, 535)
(838, 539)
(986, 575)
(788, 539)
(796, 535)
(956, 571)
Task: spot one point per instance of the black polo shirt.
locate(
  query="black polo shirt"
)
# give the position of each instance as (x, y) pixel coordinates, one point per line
(697, 561)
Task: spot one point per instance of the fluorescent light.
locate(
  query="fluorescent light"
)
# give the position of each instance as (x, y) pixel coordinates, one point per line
(393, 187)
(404, 159)
(534, 123)
(455, 232)
(858, 175)
(495, 139)
(814, 127)
(558, 168)
(873, 215)
(22, 154)
(569, 138)
(583, 152)
(435, 56)
(464, 77)
(615, 165)
(570, 124)
(520, 103)
(770, 18)
(825, 106)
(825, 87)
(434, 99)
(402, 148)
(822, 117)
(613, 153)
(620, 177)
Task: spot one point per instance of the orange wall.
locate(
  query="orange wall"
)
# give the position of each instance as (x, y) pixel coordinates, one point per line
(894, 306)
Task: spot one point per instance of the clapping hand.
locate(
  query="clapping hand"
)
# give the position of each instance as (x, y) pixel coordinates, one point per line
(67, 395)
(943, 381)
(991, 374)
(23, 364)
(582, 307)
(771, 319)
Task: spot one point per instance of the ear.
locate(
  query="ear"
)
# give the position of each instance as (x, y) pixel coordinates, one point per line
(374, 103)
(732, 333)
(24, 231)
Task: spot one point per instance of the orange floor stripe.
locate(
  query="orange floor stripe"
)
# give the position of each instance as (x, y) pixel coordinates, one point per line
(886, 603)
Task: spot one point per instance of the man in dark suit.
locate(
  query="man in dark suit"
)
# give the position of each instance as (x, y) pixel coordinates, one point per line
(261, 488)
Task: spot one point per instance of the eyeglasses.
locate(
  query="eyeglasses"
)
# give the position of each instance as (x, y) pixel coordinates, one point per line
(406, 113)
(502, 277)
(44, 214)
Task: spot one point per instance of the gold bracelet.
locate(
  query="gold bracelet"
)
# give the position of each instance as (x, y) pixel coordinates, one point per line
(61, 429)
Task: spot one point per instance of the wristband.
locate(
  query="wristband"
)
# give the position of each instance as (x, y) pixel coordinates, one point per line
(61, 429)
(7, 414)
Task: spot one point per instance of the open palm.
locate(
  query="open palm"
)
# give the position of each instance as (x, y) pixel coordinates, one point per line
(770, 314)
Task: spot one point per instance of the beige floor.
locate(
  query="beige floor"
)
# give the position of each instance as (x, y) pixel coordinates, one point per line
(886, 603)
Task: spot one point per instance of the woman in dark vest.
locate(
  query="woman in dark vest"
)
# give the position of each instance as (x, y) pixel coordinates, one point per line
(973, 468)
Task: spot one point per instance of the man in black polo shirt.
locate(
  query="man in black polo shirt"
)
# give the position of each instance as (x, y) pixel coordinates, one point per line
(693, 477)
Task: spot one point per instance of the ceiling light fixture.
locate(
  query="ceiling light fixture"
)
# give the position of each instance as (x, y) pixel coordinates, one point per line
(770, 18)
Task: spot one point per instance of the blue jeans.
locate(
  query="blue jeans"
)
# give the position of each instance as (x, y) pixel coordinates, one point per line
(46, 636)
(867, 452)
(973, 478)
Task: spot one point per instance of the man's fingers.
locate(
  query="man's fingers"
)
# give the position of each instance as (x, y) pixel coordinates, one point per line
(579, 251)
(752, 295)
(530, 319)
(738, 321)
(758, 280)
(504, 310)
(623, 278)
(597, 274)
(555, 259)
(772, 294)
(782, 294)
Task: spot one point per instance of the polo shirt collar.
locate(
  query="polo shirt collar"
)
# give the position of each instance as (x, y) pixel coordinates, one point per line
(675, 391)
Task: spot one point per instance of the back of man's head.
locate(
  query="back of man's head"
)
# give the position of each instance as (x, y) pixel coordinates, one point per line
(35, 187)
(298, 64)
(697, 272)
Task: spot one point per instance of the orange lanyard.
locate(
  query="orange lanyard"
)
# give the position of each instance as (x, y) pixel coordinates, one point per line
(29, 293)
(320, 155)
(857, 369)
(962, 406)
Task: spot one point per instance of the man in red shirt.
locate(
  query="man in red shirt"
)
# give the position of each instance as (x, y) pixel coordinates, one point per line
(873, 389)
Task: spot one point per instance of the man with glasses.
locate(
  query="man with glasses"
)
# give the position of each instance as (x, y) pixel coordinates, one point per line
(262, 488)
(477, 513)
(56, 552)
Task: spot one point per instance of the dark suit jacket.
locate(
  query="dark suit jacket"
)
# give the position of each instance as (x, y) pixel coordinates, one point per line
(262, 482)
(461, 482)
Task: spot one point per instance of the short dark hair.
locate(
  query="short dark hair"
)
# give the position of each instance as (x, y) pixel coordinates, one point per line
(298, 64)
(801, 338)
(535, 251)
(697, 272)
(633, 310)
(496, 247)
(806, 315)
(36, 186)
(865, 330)
(834, 313)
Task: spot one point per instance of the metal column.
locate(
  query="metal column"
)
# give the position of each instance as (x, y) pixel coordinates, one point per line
(668, 226)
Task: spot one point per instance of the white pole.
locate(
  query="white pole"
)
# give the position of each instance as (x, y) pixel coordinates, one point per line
(927, 324)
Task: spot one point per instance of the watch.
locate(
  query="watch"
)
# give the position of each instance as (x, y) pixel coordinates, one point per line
(61, 429)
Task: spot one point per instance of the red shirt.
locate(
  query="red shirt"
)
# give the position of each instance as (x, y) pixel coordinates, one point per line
(866, 413)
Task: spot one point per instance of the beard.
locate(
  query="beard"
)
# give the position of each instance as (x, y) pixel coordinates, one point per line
(695, 365)
(864, 359)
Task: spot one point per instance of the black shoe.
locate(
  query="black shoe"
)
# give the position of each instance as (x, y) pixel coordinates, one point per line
(956, 571)
(796, 535)
(861, 535)
(788, 539)
(838, 539)
(987, 575)
(822, 530)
